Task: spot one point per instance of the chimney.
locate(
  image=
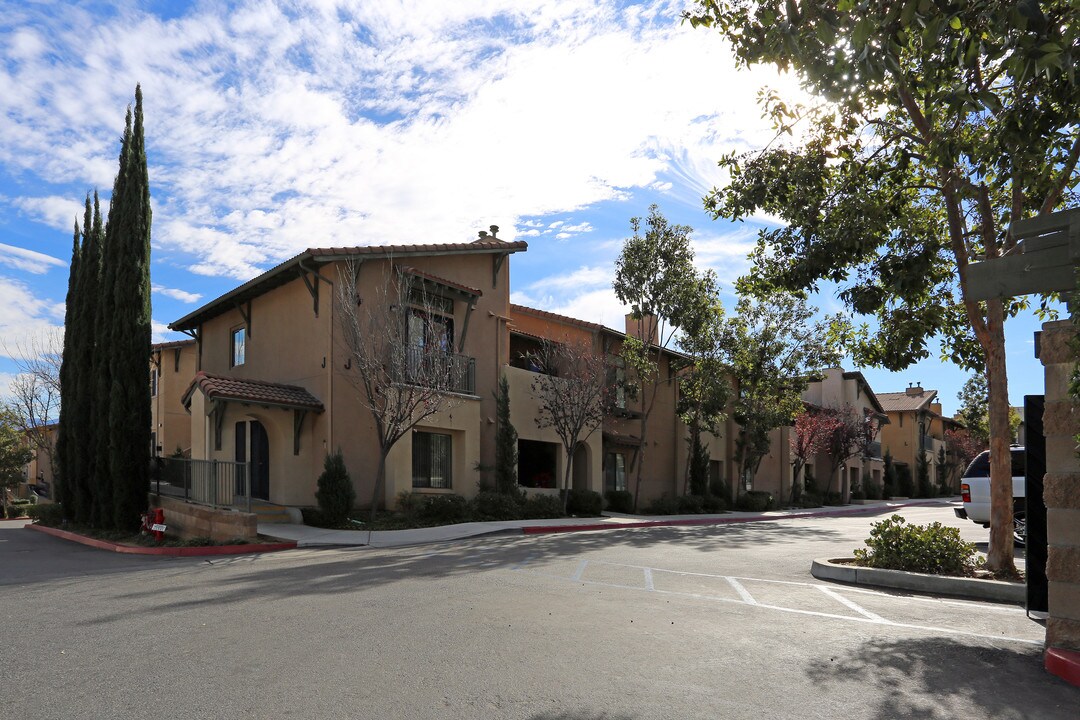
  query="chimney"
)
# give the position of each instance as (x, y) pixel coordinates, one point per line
(642, 328)
(914, 390)
(494, 231)
(483, 235)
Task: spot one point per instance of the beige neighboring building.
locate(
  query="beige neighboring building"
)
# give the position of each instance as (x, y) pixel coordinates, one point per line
(608, 460)
(836, 389)
(172, 366)
(915, 425)
(39, 472)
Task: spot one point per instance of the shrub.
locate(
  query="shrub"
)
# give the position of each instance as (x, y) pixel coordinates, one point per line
(810, 500)
(585, 503)
(448, 508)
(691, 504)
(754, 501)
(714, 504)
(490, 505)
(834, 498)
(14, 511)
(896, 545)
(620, 501)
(905, 486)
(22, 501)
(924, 487)
(719, 488)
(541, 506)
(857, 491)
(313, 517)
(408, 502)
(873, 488)
(51, 514)
(699, 467)
(662, 505)
(336, 494)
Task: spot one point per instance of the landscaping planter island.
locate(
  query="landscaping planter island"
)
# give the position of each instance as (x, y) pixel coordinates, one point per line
(845, 570)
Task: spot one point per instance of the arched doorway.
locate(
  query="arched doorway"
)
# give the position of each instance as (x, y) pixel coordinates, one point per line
(253, 444)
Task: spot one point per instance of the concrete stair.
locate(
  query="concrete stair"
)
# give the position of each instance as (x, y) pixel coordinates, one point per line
(267, 512)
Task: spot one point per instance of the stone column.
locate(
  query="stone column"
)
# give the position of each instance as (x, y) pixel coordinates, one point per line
(1061, 491)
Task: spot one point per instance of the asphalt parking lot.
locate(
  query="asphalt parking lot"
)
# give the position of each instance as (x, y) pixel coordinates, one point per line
(707, 622)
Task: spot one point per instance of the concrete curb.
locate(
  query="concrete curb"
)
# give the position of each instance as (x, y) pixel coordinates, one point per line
(714, 520)
(170, 551)
(971, 588)
(1063, 663)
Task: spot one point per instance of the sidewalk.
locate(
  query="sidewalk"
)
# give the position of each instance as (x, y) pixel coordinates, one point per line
(306, 536)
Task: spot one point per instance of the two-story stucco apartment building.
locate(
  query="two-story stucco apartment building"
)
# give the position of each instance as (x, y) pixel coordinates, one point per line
(270, 381)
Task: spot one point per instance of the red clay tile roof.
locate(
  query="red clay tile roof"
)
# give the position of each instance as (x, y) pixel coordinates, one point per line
(254, 392)
(430, 249)
(409, 270)
(170, 345)
(902, 402)
(560, 318)
(292, 268)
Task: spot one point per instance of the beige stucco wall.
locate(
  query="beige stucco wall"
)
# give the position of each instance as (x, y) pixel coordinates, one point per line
(170, 421)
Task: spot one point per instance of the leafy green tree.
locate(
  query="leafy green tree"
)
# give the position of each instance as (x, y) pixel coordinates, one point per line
(128, 259)
(506, 439)
(934, 126)
(924, 488)
(773, 347)
(974, 410)
(15, 452)
(656, 277)
(704, 387)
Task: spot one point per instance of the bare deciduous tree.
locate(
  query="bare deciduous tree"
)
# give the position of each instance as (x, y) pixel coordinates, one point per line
(35, 391)
(400, 356)
(572, 394)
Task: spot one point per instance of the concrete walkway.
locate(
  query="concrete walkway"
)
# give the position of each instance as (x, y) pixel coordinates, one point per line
(306, 536)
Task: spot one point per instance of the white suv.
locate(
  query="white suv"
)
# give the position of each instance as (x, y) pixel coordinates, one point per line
(975, 492)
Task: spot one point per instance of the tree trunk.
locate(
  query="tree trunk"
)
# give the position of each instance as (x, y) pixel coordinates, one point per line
(380, 479)
(566, 476)
(999, 556)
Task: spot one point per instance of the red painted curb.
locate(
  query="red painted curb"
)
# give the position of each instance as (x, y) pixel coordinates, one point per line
(1064, 663)
(549, 529)
(172, 551)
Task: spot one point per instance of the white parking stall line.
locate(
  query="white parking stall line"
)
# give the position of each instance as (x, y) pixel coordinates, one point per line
(648, 578)
(580, 570)
(848, 603)
(743, 592)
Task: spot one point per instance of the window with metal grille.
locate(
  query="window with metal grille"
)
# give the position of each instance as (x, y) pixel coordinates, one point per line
(431, 458)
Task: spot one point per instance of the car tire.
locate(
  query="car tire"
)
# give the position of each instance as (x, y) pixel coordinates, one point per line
(1020, 528)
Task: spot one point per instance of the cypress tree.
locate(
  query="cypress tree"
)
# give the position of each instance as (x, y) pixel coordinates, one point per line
(129, 401)
(105, 355)
(66, 431)
(506, 439)
(85, 320)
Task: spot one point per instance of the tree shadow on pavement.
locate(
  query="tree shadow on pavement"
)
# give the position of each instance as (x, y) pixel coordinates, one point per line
(931, 678)
(578, 716)
(357, 570)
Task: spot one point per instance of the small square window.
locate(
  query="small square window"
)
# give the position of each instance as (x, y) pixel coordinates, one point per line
(239, 346)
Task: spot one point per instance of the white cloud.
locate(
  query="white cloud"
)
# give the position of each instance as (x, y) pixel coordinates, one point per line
(28, 260)
(54, 211)
(181, 295)
(26, 317)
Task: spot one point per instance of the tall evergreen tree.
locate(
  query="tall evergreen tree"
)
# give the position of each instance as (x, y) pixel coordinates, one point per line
(506, 440)
(129, 401)
(65, 441)
(84, 415)
(106, 354)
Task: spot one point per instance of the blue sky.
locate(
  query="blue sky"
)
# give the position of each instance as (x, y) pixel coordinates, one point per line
(276, 126)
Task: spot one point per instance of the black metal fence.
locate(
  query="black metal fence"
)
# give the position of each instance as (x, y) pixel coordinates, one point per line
(217, 483)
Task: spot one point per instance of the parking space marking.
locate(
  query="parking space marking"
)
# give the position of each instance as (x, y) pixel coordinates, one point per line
(743, 592)
(745, 598)
(854, 606)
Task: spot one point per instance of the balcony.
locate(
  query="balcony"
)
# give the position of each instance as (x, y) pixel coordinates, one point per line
(873, 451)
(448, 372)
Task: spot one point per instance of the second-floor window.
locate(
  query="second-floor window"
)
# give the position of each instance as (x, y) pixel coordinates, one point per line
(239, 346)
(153, 382)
